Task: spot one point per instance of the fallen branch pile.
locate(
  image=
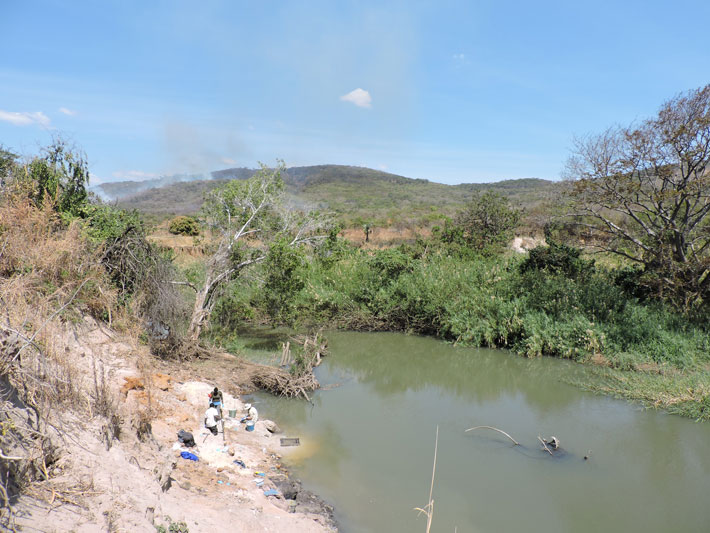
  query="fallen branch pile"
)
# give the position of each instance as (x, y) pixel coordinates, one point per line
(282, 383)
(299, 379)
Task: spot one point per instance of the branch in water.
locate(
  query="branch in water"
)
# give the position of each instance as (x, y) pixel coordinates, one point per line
(544, 445)
(495, 429)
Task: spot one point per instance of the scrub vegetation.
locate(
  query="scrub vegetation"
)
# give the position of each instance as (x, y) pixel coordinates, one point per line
(621, 283)
(552, 303)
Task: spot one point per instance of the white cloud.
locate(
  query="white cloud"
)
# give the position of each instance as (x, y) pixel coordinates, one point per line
(460, 59)
(133, 175)
(228, 161)
(359, 97)
(67, 111)
(25, 118)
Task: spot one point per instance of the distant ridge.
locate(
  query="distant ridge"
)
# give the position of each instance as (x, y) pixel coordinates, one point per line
(356, 191)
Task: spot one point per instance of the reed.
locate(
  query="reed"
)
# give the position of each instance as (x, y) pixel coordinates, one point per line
(428, 509)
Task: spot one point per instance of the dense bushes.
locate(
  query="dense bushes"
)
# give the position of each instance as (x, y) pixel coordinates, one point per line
(551, 303)
(459, 287)
(49, 200)
(183, 225)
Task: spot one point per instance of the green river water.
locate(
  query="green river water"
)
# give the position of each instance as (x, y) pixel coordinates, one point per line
(368, 444)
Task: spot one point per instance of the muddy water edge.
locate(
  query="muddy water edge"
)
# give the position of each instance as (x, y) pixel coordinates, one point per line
(367, 444)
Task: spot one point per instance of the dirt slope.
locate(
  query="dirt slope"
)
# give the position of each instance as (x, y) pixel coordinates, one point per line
(124, 473)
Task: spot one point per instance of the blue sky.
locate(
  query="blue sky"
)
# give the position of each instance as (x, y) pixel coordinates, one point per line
(450, 91)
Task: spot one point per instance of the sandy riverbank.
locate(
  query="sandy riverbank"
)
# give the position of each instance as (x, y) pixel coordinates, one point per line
(126, 474)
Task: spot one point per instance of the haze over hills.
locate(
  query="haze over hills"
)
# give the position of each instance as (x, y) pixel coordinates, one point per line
(353, 192)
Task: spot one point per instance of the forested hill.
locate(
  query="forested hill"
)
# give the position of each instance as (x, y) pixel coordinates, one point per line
(355, 192)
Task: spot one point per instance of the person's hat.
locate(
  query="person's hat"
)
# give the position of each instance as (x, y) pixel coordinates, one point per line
(247, 406)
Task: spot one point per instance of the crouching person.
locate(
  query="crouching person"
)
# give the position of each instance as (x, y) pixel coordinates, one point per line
(211, 419)
(252, 413)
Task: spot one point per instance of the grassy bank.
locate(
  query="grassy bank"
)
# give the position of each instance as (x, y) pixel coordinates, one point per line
(552, 303)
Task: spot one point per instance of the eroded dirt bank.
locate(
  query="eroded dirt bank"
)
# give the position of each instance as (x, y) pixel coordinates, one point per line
(124, 472)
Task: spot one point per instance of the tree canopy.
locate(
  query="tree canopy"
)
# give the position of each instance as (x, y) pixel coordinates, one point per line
(245, 217)
(485, 224)
(643, 192)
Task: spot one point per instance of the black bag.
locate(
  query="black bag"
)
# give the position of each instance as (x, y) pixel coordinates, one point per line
(186, 438)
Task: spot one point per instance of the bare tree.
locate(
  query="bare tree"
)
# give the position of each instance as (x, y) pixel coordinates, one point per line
(244, 217)
(643, 192)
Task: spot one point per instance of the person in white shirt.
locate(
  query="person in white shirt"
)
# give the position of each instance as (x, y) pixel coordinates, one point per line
(211, 418)
(252, 413)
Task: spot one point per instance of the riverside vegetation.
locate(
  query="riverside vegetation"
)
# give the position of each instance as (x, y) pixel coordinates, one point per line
(552, 303)
(639, 313)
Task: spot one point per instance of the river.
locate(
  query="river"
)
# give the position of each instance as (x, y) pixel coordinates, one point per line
(368, 444)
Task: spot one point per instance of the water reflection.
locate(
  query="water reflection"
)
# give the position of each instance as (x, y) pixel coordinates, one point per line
(369, 442)
(393, 364)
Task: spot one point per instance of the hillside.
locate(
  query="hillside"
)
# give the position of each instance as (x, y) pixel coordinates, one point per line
(122, 189)
(355, 194)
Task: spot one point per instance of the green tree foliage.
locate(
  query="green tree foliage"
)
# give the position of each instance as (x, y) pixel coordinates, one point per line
(105, 222)
(485, 224)
(283, 267)
(60, 174)
(245, 218)
(332, 249)
(643, 193)
(184, 225)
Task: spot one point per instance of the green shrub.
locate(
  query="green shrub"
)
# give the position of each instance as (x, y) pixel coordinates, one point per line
(557, 259)
(233, 307)
(184, 225)
(485, 224)
(105, 222)
(575, 338)
(60, 175)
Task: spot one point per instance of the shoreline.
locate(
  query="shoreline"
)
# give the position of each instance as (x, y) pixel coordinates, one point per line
(259, 450)
(123, 470)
